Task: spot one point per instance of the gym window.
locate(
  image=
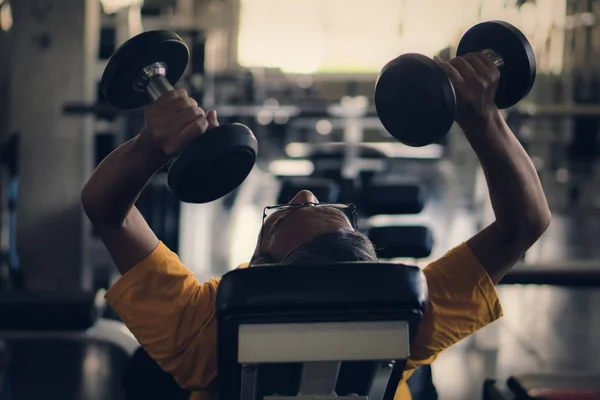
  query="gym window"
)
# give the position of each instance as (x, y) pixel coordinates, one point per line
(357, 36)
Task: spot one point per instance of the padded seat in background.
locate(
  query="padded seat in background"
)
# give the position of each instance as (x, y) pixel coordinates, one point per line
(57, 347)
(326, 190)
(387, 197)
(278, 325)
(328, 159)
(401, 241)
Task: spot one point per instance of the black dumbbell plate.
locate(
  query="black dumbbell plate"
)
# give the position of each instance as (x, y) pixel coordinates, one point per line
(415, 100)
(128, 61)
(517, 75)
(214, 164)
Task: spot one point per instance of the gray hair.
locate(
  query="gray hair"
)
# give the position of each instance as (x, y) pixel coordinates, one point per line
(339, 246)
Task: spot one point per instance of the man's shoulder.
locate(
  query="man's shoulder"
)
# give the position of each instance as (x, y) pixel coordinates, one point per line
(456, 266)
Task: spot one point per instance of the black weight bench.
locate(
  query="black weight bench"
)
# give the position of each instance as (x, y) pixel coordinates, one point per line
(322, 332)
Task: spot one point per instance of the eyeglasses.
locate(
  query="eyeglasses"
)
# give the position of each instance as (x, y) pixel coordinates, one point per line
(348, 209)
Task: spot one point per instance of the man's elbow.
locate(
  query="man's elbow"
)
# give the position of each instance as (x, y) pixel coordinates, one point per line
(89, 201)
(528, 229)
(96, 212)
(538, 225)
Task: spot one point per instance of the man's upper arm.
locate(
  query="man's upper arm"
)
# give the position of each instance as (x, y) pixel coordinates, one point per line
(129, 244)
(462, 300)
(172, 315)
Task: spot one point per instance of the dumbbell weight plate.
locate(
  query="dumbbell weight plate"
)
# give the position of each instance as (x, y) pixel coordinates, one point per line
(517, 75)
(128, 61)
(214, 164)
(415, 100)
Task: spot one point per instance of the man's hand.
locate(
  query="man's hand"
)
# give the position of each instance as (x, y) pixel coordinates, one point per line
(475, 80)
(173, 121)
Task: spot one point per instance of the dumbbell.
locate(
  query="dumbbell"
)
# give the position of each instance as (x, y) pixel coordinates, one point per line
(146, 67)
(415, 99)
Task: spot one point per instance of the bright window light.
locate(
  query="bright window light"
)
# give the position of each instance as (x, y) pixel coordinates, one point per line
(291, 167)
(113, 6)
(357, 36)
(6, 20)
(324, 127)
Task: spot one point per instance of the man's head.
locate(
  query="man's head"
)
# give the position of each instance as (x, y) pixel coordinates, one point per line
(310, 234)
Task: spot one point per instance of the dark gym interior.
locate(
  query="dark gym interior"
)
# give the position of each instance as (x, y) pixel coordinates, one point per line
(308, 92)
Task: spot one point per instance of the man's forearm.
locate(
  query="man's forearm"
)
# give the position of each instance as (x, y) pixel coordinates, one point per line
(516, 193)
(115, 185)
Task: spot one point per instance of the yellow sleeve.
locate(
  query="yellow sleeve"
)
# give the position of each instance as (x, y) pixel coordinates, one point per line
(462, 300)
(172, 315)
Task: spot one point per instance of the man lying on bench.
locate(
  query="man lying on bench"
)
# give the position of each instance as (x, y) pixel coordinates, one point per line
(173, 315)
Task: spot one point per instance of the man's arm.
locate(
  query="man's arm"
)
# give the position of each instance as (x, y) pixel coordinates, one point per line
(109, 196)
(518, 200)
(462, 298)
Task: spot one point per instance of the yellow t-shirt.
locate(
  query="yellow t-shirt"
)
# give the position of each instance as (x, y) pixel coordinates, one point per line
(173, 315)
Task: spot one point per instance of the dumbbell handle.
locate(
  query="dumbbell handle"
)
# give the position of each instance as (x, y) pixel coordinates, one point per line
(157, 86)
(153, 81)
(495, 57)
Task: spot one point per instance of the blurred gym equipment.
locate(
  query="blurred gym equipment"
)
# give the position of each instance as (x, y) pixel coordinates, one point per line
(48, 311)
(388, 197)
(38, 329)
(375, 197)
(142, 70)
(555, 386)
(401, 241)
(330, 156)
(415, 99)
(326, 190)
(547, 387)
(275, 335)
(556, 274)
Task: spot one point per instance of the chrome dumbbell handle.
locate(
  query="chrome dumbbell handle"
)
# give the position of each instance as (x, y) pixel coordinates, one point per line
(153, 81)
(495, 57)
